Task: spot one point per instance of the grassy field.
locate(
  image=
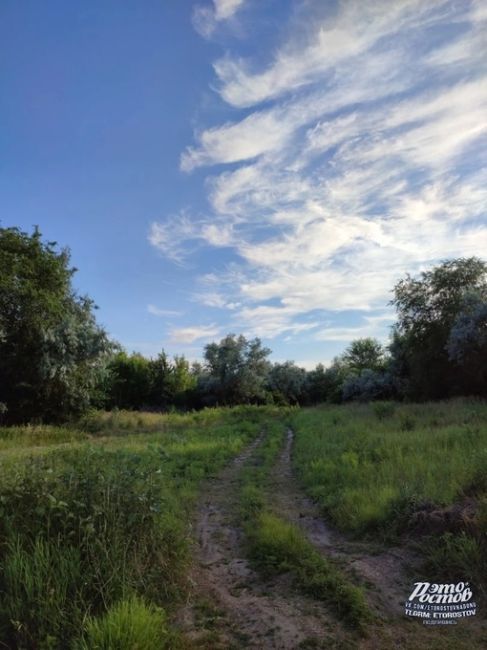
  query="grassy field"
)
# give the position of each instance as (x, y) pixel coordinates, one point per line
(371, 467)
(95, 535)
(94, 527)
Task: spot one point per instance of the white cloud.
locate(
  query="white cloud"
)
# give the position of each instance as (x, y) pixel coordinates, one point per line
(255, 135)
(207, 18)
(368, 161)
(358, 27)
(171, 236)
(372, 326)
(155, 311)
(194, 333)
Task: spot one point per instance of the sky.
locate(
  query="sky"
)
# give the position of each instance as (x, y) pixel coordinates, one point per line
(260, 167)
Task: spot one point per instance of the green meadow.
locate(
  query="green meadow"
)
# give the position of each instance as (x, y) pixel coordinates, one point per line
(95, 517)
(94, 527)
(371, 467)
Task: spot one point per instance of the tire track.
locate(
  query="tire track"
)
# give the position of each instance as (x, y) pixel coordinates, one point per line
(385, 571)
(257, 613)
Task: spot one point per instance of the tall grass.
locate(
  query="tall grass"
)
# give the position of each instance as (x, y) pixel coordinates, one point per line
(38, 436)
(130, 624)
(90, 526)
(370, 467)
(367, 468)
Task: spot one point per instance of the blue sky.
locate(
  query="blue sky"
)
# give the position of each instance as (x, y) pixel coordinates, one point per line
(262, 167)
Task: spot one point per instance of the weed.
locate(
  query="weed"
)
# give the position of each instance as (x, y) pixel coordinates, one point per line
(131, 624)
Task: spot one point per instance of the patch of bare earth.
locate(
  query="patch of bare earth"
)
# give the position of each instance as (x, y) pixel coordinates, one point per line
(230, 605)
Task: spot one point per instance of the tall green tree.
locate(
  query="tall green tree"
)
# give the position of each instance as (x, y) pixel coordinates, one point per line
(364, 354)
(467, 343)
(131, 381)
(52, 351)
(236, 370)
(428, 308)
(287, 382)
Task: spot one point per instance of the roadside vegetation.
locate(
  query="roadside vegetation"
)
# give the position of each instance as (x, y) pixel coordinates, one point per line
(94, 537)
(391, 469)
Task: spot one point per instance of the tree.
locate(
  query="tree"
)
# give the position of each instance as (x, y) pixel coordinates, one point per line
(364, 354)
(369, 385)
(428, 308)
(237, 370)
(52, 352)
(287, 382)
(131, 381)
(467, 343)
(317, 385)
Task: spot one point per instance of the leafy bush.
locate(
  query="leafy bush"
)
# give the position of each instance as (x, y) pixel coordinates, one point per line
(367, 386)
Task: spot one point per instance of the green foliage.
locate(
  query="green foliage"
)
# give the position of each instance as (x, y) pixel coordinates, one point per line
(367, 472)
(364, 354)
(237, 370)
(86, 525)
(428, 308)
(287, 382)
(42, 604)
(467, 342)
(130, 624)
(52, 352)
(136, 382)
(130, 382)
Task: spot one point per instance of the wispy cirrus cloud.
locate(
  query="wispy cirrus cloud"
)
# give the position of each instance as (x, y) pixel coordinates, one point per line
(362, 155)
(207, 17)
(156, 311)
(194, 333)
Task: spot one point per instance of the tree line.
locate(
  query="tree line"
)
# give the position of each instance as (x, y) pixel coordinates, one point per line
(56, 361)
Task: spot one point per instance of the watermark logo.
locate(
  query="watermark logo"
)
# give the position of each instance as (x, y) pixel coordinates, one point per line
(440, 604)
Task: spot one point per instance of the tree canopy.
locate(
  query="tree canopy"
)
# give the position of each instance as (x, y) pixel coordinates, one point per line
(237, 369)
(56, 361)
(52, 351)
(429, 308)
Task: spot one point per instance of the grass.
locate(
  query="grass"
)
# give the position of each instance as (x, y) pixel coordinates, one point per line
(130, 624)
(94, 531)
(38, 436)
(371, 466)
(366, 469)
(278, 546)
(95, 517)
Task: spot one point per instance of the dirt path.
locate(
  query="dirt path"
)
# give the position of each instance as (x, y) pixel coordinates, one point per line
(230, 605)
(385, 573)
